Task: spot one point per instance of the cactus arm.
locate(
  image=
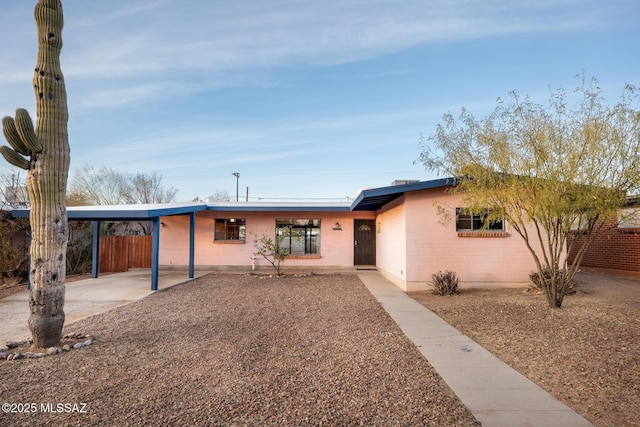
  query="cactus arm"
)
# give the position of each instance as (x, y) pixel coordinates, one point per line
(12, 136)
(14, 158)
(24, 126)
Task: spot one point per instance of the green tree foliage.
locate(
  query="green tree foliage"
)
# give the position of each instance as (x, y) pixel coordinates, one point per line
(547, 170)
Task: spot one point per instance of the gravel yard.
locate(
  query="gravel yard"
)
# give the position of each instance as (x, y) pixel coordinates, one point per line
(238, 350)
(586, 354)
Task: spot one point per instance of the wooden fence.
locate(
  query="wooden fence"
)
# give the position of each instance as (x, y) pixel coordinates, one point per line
(120, 253)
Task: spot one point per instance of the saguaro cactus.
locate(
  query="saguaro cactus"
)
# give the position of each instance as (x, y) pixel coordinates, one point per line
(48, 167)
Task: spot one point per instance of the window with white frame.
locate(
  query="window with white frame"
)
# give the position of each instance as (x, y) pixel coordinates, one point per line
(298, 236)
(230, 229)
(470, 221)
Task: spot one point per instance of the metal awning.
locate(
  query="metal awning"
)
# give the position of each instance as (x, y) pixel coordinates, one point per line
(141, 212)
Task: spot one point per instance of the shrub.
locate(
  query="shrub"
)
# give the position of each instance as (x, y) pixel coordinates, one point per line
(537, 283)
(79, 257)
(270, 250)
(445, 283)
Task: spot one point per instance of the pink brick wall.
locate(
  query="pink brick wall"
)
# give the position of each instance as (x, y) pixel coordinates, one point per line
(336, 248)
(428, 245)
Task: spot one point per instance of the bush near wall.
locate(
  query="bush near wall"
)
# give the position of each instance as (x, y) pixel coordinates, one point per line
(14, 244)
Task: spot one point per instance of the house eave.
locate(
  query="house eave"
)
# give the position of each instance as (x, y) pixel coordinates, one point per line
(375, 198)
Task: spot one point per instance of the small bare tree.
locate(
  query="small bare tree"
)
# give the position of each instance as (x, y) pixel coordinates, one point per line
(107, 186)
(271, 250)
(104, 186)
(148, 188)
(14, 191)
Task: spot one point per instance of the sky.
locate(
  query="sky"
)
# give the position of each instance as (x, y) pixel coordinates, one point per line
(304, 99)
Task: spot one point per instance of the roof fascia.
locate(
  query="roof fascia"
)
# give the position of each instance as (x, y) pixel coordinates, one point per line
(398, 190)
(143, 212)
(240, 208)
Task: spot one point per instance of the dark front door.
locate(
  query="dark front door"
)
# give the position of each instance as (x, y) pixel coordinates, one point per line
(364, 241)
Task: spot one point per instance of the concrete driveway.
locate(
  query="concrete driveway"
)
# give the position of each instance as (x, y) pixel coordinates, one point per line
(87, 297)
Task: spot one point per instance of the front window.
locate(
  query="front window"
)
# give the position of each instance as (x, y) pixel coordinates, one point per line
(298, 236)
(470, 221)
(230, 229)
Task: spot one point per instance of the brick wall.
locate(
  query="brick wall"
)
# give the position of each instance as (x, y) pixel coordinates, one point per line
(614, 248)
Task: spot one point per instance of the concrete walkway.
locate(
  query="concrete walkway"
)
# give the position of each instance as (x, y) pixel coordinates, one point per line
(496, 394)
(87, 297)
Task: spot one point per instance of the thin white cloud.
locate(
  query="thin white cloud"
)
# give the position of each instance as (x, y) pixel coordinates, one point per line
(150, 49)
(218, 36)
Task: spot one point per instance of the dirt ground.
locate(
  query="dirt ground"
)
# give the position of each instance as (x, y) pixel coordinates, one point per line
(586, 354)
(234, 350)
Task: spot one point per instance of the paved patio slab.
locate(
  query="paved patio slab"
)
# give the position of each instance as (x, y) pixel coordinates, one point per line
(87, 297)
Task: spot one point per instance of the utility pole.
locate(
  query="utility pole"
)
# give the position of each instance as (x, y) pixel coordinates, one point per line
(237, 175)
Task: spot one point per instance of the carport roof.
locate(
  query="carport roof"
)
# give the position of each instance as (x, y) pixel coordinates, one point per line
(124, 212)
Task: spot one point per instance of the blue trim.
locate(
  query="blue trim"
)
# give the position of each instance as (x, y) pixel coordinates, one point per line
(121, 213)
(275, 208)
(95, 256)
(155, 251)
(376, 198)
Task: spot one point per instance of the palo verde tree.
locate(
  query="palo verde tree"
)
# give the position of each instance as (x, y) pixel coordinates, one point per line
(44, 153)
(547, 170)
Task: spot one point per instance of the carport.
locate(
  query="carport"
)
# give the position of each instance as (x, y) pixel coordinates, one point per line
(141, 212)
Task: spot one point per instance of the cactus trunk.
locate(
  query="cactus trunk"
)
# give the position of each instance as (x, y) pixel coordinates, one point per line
(47, 181)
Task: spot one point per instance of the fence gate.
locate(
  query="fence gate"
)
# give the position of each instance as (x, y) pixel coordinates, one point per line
(120, 253)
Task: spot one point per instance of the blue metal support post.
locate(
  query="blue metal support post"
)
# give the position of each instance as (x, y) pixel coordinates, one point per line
(192, 229)
(96, 248)
(155, 251)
